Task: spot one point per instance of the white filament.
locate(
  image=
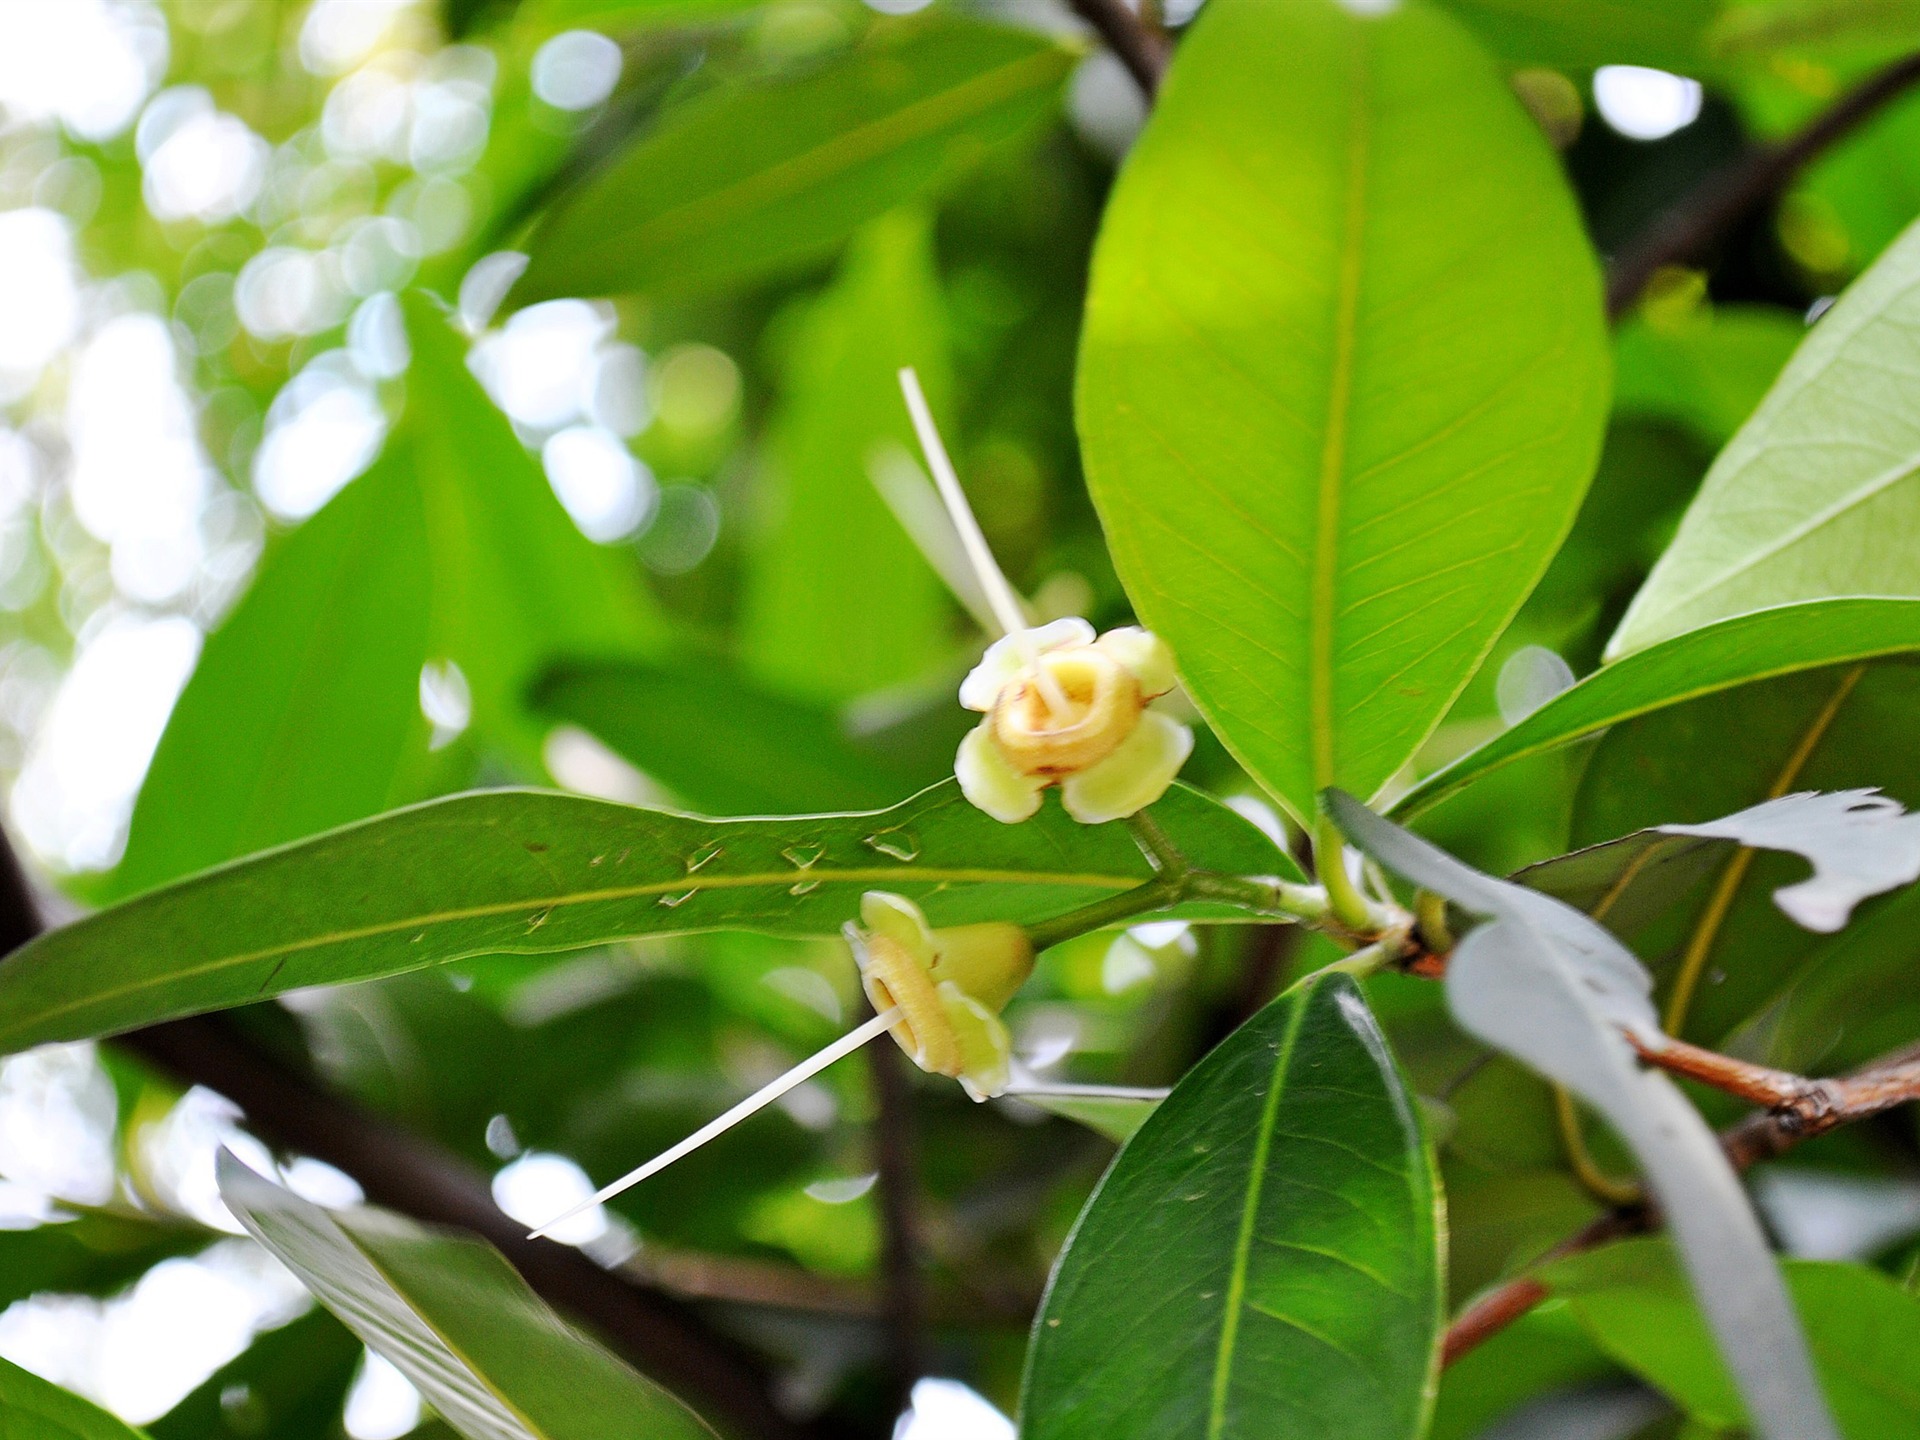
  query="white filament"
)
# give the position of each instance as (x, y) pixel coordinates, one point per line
(1006, 605)
(759, 1100)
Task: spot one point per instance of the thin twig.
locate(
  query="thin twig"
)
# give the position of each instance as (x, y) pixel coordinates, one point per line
(1704, 215)
(903, 1286)
(1799, 1109)
(409, 1173)
(1142, 47)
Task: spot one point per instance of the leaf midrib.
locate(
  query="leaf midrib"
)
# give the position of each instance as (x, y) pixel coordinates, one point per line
(1243, 1242)
(1324, 600)
(687, 885)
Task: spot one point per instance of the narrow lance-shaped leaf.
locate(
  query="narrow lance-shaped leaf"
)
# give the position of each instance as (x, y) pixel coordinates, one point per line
(753, 178)
(1739, 651)
(1547, 985)
(1819, 493)
(530, 872)
(1263, 1258)
(455, 1319)
(1342, 379)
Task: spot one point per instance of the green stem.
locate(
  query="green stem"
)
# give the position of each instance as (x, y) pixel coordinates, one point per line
(1155, 894)
(1307, 903)
(1346, 904)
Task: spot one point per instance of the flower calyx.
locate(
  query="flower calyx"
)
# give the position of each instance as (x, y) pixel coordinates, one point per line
(950, 986)
(1064, 708)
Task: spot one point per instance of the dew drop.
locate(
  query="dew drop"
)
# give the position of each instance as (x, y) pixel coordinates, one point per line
(803, 857)
(802, 887)
(705, 855)
(902, 845)
(672, 900)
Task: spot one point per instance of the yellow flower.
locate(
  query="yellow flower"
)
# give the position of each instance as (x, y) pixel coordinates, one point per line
(1066, 709)
(950, 986)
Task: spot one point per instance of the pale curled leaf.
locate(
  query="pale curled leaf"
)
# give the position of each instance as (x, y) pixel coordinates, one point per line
(455, 1319)
(1550, 987)
(1861, 843)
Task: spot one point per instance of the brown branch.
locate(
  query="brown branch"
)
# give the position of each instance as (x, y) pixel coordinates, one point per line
(1798, 1109)
(903, 1293)
(409, 1173)
(1139, 45)
(1704, 215)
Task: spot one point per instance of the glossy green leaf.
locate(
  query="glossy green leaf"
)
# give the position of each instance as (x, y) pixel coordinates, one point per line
(1263, 1258)
(304, 712)
(1708, 370)
(755, 178)
(457, 1321)
(727, 746)
(290, 1383)
(1720, 657)
(1817, 495)
(33, 1409)
(1343, 377)
(1864, 1328)
(839, 602)
(530, 872)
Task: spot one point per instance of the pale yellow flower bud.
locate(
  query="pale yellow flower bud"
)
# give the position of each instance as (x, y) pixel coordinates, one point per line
(949, 985)
(1064, 708)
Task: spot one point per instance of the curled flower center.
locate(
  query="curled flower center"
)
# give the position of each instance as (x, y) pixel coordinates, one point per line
(894, 976)
(1041, 735)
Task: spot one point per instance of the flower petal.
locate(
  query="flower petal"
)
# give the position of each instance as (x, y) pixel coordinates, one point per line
(989, 780)
(1010, 654)
(1132, 777)
(902, 921)
(1145, 654)
(986, 1050)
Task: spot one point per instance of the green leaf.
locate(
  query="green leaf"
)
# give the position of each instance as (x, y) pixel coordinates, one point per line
(531, 872)
(1579, 36)
(1544, 1351)
(1865, 1331)
(96, 1254)
(757, 178)
(1263, 1258)
(1707, 370)
(727, 746)
(1343, 377)
(455, 1319)
(33, 1409)
(839, 602)
(1719, 657)
(304, 711)
(291, 1383)
(1817, 495)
